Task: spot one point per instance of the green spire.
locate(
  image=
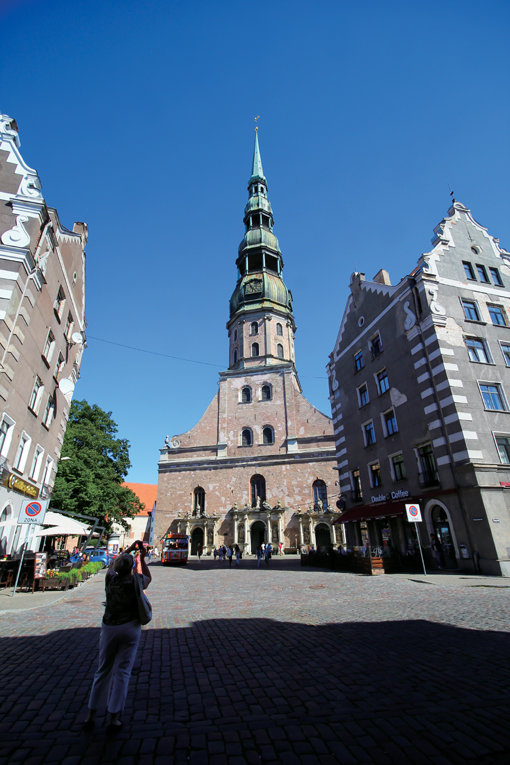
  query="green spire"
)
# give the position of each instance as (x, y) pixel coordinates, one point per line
(256, 171)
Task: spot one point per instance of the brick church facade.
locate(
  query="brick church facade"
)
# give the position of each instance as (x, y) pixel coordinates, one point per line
(259, 465)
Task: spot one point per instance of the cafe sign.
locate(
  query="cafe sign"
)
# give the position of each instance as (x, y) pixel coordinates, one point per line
(17, 484)
(400, 494)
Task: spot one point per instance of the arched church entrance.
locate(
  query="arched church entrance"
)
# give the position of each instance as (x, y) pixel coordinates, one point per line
(322, 536)
(443, 534)
(197, 538)
(257, 535)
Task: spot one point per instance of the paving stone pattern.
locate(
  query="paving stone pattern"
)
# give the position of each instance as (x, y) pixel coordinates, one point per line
(279, 665)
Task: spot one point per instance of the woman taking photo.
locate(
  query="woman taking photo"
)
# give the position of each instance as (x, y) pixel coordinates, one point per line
(120, 635)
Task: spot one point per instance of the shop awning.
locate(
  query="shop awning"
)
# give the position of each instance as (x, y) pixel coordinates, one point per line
(61, 525)
(372, 512)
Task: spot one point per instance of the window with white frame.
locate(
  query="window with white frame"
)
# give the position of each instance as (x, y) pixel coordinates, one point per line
(279, 330)
(498, 315)
(22, 452)
(368, 433)
(478, 350)
(49, 412)
(36, 463)
(69, 327)
(36, 395)
(59, 304)
(254, 328)
(48, 467)
(49, 347)
(374, 472)
(503, 444)
(279, 351)
(6, 433)
(363, 397)
(383, 383)
(505, 350)
(389, 422)
(59, 368)
(398, 468)
(493, 397)
(255, 349)
(471, 312)
(359, 362)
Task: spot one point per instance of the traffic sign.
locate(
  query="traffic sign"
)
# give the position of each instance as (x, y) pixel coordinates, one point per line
(33, 511)
(413, 513)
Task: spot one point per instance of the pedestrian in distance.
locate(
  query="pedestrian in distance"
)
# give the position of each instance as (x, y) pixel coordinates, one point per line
(200, 550)
(238, 555)
(259, 555)
(436, 549)
(229, 555)
(267, 554)
(119, 638)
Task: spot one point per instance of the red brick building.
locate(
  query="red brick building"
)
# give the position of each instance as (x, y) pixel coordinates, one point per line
(258, 466)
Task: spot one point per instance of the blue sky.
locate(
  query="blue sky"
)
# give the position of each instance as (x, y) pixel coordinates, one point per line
(139, 119)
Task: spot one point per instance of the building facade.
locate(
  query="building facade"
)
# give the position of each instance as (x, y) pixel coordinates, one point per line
(258, 465)
(142, 525)
(42, 335)
(419, 387)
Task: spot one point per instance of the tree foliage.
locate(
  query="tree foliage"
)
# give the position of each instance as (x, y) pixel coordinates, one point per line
(93, 464)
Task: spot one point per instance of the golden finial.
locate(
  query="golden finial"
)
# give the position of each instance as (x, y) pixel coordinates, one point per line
(255, 120)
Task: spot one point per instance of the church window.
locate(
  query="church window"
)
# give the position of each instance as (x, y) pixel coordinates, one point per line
(235, 357)
(198, 501)
(246, 437)
(266, 393)
(254, 328)
(279, 351)
(235, 335)
(258, 490)
(255, 349)
(279, 329)
(320, 492)
(268, 435)
(246, 395)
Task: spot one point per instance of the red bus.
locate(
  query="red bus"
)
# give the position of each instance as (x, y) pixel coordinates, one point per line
(175, 549)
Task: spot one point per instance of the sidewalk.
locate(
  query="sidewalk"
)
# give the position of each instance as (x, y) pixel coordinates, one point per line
(28, 601)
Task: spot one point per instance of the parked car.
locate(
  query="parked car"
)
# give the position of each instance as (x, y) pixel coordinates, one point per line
(94, 554)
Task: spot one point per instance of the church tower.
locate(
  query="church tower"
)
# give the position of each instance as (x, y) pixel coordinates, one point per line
(258, 466)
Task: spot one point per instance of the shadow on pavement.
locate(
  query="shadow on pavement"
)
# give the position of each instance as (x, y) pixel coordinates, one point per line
(258, 690)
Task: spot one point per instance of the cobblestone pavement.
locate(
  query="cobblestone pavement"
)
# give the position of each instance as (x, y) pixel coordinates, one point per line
(279, 665)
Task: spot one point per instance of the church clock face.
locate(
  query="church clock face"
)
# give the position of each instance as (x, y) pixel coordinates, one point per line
(253, 287)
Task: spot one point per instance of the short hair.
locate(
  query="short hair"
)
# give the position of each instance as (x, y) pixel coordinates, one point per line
(123, 564)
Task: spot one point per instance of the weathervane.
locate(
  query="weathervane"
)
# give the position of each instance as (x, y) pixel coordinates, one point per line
(255, 120)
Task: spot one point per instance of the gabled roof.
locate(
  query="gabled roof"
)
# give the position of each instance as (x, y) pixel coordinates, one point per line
(146, 493)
